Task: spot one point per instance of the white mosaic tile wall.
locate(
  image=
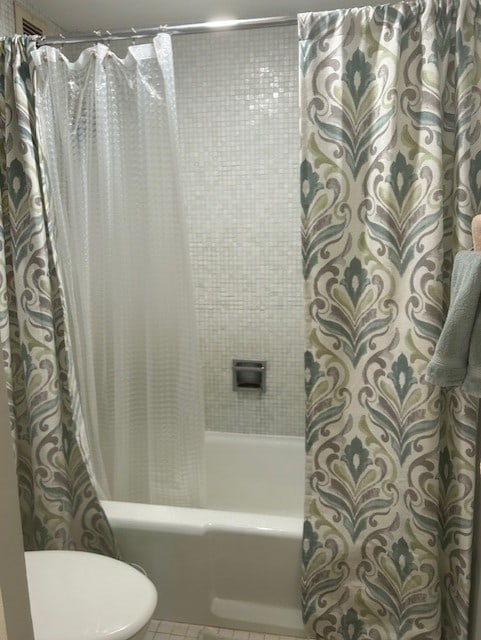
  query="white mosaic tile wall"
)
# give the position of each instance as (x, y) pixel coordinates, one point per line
(237, 100)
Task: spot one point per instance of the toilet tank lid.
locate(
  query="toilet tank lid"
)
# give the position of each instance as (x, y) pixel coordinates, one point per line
(86, 596)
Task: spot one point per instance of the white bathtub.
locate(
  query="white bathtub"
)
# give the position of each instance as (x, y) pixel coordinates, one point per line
(235, 563)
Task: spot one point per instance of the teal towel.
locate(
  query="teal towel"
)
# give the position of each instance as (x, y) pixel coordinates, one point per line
(457, 357)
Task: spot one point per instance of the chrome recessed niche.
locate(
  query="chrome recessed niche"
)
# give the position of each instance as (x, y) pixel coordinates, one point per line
(249, 375)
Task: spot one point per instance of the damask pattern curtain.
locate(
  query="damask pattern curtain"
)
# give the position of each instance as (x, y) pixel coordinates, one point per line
(391, 161)
(58, 503)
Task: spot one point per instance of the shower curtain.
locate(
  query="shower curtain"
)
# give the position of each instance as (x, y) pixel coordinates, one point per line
(58, 504)
(109, 129)
(390, 172)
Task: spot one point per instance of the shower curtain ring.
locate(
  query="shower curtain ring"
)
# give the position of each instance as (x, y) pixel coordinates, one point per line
(134, 34)
(108, 33)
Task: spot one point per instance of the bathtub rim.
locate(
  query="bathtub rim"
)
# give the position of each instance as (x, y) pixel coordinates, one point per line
(150, 517)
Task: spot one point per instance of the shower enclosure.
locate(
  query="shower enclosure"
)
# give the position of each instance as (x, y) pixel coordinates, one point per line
(236, 100)
(237, 109)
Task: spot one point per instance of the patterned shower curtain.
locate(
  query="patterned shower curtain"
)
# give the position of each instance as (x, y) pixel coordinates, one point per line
(58, 503)
(391, 177)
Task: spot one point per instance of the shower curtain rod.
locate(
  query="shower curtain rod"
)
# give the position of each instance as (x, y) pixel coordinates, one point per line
(180, 29)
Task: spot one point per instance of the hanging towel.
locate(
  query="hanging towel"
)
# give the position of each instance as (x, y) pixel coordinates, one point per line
(472, 381)
(457, 357)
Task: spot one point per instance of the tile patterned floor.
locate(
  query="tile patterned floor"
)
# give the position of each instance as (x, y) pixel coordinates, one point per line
(165, 630)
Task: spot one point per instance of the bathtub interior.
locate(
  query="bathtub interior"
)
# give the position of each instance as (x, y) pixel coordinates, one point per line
(255, 473)
(237, 562)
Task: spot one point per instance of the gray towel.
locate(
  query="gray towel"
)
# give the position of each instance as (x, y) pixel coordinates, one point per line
(457, 357)
(472, 381)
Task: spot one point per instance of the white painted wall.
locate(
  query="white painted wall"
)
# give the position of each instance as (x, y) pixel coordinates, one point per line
(15, 619)
(120, 14)
(7, 16)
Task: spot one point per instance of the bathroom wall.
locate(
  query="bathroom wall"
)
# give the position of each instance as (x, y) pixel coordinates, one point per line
(237, 101)
(15, 619)
(3, 625)
(7, 17)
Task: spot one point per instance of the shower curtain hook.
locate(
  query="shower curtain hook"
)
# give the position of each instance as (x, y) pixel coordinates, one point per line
(108, 33)
(134, 34)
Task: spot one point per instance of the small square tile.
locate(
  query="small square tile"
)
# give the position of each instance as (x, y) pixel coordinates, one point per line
(239, 151)
(179, 629)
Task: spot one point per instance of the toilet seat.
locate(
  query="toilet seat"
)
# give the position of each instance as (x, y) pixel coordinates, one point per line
(76, 595)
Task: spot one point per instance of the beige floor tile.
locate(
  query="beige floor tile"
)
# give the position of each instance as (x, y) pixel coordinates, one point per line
(179, 629)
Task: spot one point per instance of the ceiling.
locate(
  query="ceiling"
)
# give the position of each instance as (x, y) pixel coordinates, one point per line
(86, 15)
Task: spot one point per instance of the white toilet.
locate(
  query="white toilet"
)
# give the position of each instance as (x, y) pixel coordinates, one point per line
(85, 596)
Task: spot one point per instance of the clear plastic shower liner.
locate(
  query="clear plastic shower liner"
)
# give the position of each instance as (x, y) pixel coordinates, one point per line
(108, 130)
